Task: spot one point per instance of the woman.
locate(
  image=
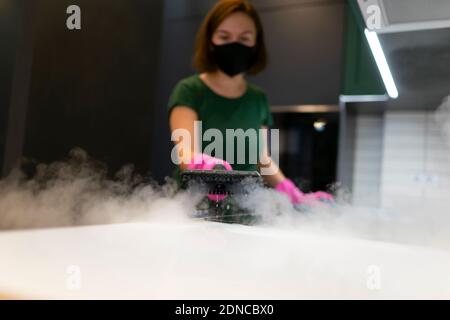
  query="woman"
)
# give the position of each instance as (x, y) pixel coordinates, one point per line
(230, 44)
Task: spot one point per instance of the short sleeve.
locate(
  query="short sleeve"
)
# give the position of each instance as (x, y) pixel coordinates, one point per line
(267, 113)
(184, 95)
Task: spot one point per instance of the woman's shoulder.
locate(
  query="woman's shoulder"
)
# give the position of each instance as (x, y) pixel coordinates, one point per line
(192, 82)
(257, 91)
(187, 92)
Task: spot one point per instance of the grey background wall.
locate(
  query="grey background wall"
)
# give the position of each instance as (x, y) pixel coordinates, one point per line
(105, 88)
(304, 39)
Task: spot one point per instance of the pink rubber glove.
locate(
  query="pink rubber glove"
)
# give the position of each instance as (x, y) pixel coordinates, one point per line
(297, 197)
(206, 162)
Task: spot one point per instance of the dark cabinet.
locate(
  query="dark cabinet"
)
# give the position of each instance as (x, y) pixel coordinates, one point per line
(92, 88)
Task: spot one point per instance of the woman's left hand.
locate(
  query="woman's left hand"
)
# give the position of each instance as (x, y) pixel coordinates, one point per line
(297, 197)
(319, 196)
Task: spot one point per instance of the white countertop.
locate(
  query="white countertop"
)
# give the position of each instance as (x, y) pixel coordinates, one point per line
(201, 260)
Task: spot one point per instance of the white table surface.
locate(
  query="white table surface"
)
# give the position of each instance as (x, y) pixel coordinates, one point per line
(201, 260)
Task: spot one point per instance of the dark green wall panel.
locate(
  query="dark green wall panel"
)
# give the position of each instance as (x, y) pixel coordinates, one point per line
(361, 75)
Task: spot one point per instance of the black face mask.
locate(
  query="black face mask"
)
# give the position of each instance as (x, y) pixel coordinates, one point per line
(233, 58)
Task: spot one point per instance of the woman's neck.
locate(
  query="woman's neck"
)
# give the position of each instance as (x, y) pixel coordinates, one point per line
(224, 85)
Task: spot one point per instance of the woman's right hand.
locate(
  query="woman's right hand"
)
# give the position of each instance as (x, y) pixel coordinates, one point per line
(206, 162)
(202, 161)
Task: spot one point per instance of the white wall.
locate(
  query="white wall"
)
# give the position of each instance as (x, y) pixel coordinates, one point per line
(416, 160)
(401, 159)
(367, 160)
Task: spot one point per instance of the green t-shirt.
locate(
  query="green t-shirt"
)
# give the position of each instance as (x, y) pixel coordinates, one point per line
(250, 111)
